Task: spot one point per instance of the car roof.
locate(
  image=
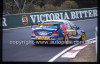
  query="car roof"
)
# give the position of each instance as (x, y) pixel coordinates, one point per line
(64, 21)
(54, 22)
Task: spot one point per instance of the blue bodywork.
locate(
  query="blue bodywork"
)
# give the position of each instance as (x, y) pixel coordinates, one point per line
(49, 32)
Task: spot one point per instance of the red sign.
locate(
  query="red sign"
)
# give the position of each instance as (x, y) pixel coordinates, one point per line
(24, 19)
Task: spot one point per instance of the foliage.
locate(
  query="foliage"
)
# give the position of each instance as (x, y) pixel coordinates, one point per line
(28, 6)
(69, 5)
(48, 7)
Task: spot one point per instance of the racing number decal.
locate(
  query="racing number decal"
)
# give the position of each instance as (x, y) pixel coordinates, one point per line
(74, 32)
(71, 32)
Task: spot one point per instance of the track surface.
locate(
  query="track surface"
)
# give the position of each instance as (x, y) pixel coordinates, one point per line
(43, 53)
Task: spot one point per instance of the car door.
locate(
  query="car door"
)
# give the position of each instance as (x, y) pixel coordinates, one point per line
(71, 31)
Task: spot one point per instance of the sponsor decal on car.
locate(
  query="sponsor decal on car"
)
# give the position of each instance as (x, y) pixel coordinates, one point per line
(43, 37)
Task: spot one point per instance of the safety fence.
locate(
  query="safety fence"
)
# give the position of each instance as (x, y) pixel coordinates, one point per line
(25, 19)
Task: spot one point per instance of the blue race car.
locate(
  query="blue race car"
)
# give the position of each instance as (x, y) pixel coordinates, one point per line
(57, 30)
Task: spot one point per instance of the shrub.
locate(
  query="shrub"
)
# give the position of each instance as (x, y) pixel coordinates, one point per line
(48, 7)
(69, 5)
(29, 8)
(37, 8)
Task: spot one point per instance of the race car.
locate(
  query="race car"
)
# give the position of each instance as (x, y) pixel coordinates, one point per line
(57, 30)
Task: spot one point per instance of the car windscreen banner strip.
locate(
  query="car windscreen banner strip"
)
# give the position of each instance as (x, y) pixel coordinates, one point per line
(45, 24)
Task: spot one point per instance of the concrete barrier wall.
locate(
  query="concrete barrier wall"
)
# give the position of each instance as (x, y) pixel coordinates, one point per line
(25, 19)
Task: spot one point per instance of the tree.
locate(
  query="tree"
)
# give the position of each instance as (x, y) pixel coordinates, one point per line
(21, 5)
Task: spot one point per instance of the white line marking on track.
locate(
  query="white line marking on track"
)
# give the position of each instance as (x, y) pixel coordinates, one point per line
(90, 39)
(78, 47)
(16, 28)
(69, 55)
(62, 52)
(59, 54)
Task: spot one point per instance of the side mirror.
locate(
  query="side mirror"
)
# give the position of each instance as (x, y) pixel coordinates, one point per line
(74, 27)
(77, 28)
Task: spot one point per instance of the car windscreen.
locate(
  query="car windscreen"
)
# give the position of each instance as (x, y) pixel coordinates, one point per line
(72, 24)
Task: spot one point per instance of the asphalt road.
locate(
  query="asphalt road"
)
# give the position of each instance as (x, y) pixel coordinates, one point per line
(42, 53)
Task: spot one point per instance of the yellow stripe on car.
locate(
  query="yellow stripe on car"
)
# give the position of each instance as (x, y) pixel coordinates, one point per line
(42, 37)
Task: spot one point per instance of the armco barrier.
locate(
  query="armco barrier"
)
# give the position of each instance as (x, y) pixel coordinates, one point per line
(25, 19)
